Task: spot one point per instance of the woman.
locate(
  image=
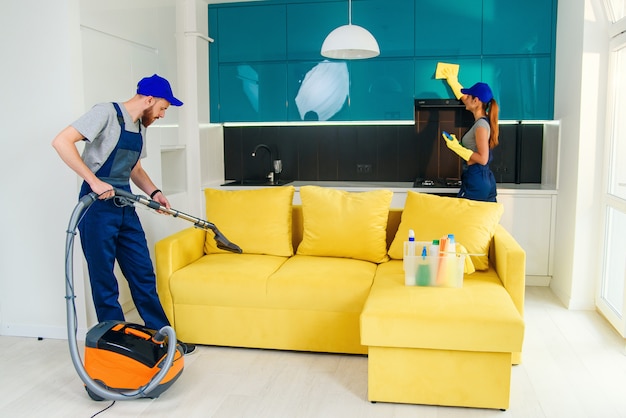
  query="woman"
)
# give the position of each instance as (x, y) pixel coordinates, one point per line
(478, 181)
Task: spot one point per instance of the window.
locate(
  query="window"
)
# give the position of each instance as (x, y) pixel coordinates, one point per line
(615, 9)
(614, 269)
(617, 130)
(611, 299)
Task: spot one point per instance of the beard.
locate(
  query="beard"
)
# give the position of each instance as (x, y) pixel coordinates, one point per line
(147, 117)
(152, 113)
(147, 121)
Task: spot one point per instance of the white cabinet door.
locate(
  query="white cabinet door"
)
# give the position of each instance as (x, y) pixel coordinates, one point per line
(529, 218)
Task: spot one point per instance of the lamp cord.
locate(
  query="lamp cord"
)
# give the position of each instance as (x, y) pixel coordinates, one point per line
(349, 12)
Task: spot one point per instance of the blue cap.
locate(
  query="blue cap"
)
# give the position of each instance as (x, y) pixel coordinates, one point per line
(480, 90)
(157, 86)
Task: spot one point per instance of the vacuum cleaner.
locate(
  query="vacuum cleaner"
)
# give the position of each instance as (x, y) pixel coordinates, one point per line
(124, 360)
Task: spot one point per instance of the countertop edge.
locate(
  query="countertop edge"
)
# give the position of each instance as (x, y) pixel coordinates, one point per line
(402, 187)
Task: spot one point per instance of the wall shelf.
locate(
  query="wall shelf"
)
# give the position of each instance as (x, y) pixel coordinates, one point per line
(172, 148)
(173, 168)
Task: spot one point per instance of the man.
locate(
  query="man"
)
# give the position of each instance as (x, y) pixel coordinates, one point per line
(111, 158)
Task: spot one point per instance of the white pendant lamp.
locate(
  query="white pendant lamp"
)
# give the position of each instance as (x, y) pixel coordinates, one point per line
(350, 42)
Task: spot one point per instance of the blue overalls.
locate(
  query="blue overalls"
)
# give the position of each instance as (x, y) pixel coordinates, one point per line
(109, 232)
(478, 182)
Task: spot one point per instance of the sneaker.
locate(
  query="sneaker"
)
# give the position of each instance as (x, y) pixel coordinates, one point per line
(188, 348)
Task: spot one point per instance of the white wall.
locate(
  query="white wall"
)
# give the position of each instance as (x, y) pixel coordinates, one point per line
(61, 60)
(204, 149)
(41, 93)
(123, 42)
(581, 72)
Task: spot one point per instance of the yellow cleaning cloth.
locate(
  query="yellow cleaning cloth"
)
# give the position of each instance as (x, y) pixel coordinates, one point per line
(445, 70)
(469, 265)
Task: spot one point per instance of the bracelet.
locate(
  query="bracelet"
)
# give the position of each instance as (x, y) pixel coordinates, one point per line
(154, 193)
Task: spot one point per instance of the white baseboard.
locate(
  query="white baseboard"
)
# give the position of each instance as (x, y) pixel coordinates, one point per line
(58, 333)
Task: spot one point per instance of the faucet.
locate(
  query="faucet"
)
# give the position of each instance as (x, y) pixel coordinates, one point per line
(275, 165)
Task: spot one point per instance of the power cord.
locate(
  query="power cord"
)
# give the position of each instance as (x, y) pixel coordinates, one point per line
(108, 407)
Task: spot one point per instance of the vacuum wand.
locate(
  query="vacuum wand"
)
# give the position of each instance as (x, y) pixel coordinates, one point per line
(222, 242)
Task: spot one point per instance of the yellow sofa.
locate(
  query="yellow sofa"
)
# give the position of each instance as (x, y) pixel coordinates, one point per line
(337, 285)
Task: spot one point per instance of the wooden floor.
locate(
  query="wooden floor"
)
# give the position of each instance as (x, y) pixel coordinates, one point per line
(574, 366)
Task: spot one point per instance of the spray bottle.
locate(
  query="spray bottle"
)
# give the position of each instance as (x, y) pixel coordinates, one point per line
(451, 261)
(409, 260)
(442, 269)
(434, 261)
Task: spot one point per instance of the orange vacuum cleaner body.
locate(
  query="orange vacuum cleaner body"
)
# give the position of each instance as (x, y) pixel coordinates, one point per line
(124, 356)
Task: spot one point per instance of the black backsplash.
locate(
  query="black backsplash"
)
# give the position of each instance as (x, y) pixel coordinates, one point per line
(394, 153)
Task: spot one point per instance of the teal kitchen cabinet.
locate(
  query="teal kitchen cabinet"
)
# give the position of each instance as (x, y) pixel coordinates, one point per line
(510, 45)
(358, 90)
(308, 24)
(516, 27)
(382, 89)
(318, 91)
(522, 86)
(252, 92)
(252, 33)
(392, 26)
(427, 87)
(448, 27)
(214, 73)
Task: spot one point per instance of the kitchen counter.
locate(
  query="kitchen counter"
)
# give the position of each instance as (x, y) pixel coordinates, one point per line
(403, 187)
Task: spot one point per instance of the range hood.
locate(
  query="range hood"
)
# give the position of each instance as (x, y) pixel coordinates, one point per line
(439, 103)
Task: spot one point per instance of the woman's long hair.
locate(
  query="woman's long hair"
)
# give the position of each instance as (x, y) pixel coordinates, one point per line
(493, 122)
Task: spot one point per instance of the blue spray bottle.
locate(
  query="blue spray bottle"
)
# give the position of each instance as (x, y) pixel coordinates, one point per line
(409, 260)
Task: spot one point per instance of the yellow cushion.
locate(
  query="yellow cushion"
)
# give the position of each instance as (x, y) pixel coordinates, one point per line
(344, 224)
(235, 280)
(257, 220)
(473, 224)
(328, 284)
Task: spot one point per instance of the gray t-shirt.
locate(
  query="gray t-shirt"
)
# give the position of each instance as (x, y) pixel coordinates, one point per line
(101, 130)
(469, 139)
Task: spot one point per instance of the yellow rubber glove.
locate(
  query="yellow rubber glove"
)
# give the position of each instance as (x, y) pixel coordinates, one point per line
(455, 146)
(455, 86)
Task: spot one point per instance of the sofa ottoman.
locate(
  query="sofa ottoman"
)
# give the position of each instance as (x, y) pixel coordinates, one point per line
(447, 346)
(440, 346)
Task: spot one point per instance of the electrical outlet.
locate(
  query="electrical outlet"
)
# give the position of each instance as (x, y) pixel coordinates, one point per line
(363, 168)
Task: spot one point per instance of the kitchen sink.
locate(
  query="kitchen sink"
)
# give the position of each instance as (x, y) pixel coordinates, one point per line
(259, 183)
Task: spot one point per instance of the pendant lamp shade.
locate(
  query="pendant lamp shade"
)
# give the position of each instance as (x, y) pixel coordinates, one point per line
(350, 42)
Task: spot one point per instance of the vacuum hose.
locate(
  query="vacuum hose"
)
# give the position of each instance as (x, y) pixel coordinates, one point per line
(91, 384)
(124, 198)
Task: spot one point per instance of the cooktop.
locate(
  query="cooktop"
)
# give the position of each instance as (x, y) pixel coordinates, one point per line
(440, 182)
